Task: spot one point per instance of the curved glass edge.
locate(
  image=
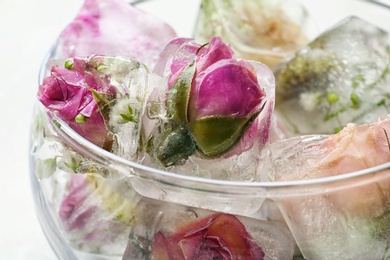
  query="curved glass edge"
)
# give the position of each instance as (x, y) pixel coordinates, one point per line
(49, 228)
(132, 169)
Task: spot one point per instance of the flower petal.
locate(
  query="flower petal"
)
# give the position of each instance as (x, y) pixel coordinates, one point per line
(228, 87)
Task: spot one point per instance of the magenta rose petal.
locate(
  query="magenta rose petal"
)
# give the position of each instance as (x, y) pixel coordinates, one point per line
(65, 92)
(227, 88)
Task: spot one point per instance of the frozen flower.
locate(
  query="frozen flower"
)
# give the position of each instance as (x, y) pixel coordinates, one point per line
(218, 236)
(354, 148)
(213, 102)
(93, 211)
(346, 213)
(114, 27)
(73, 93)
(332, 83)
(263, 30)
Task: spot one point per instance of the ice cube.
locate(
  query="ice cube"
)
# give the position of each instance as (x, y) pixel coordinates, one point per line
(174, 221)
(114, 27)
(260, 30)
(340, 77)
(335, 218)
(153, 216)
(239, 160)
(97, 214)
(134, 83)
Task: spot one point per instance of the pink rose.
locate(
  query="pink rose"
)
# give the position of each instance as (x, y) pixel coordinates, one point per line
(115, 28)
(69, 92)
(355, 148)
(218, 236)
(214, 102)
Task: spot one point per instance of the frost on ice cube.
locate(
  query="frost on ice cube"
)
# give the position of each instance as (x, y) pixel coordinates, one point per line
(260, 30)
(340, 77)
(336, 219)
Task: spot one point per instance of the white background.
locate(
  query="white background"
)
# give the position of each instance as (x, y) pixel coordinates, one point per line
(27, 30)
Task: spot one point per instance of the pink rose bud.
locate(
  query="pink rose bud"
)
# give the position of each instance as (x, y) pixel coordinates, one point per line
(214, 102)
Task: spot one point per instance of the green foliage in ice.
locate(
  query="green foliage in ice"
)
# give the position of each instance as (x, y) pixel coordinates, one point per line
(306, 72)
(336, 79)
(129, 116)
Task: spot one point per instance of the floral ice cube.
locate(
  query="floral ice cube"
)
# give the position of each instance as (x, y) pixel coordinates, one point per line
(340, 77)
(102, 98)
(336, 218)
(98, 213)
(69, 91)
(214, 107)
(116, 28)
(260, 30)
(173, 231)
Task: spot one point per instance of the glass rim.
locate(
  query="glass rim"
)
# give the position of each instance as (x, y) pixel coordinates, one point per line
(67, 132)
(63, 128)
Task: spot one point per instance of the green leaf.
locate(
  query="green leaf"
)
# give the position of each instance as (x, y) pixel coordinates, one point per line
(179, 94)
(129, 116)
(215, 135)
(73, 165)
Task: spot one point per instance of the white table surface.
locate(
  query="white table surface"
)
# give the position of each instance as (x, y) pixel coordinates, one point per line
(27, 30)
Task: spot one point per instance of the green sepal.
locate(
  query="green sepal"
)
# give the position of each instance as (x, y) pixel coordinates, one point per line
(215, 135)
(172, 146)
(179, 94)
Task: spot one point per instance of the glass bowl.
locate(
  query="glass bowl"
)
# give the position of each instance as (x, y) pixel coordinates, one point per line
(93, 204)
